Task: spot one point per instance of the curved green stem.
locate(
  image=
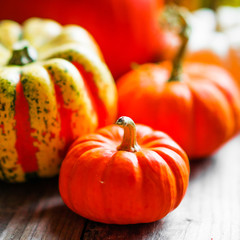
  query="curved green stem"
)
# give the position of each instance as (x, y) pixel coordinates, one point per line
(174, 18)
(129, 142)
(22, 54)
(177, 62)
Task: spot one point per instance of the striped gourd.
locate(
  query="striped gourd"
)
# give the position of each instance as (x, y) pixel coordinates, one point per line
(54, 86)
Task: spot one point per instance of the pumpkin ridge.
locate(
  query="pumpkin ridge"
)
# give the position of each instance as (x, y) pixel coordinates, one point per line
(27, 159)
(69, 197)
(175, 169)
(167, 146)
(190, 144)
(11, 170)
(200, 106)
(92, 92)
(232, 105)
(43, 118)
(72, 168)
(107, 176)
(101, 79)
(153, 171)
(72, 100)
(110, 135)
(65, 119)
(73, 171)
(104, 186)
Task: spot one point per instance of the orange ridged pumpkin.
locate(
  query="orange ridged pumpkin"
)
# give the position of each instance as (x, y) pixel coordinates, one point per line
(200, 112)
(135, 175)
(197, 104)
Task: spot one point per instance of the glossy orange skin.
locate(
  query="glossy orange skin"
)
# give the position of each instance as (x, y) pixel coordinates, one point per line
(127, 31)
(106, 185)
(200, 113)
(230, 61)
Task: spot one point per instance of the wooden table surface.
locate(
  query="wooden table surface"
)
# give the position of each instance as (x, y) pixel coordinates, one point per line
(209, 211)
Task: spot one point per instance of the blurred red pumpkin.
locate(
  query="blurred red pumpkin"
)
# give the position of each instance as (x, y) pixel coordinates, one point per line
(126, 30)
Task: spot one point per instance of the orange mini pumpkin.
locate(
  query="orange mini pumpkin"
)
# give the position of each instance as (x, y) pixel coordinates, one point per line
(108, 181)
(197, 104)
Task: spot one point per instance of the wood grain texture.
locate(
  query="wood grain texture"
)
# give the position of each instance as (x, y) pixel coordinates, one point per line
(36, 211)
(209, 211)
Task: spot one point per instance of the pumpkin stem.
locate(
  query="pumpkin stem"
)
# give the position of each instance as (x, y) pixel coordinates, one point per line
(176, 74)
(174, 18)
(22, 54)
(129, 142)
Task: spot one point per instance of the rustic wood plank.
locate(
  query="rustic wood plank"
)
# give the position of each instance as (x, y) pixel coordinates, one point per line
(35, 211)
(209, 211)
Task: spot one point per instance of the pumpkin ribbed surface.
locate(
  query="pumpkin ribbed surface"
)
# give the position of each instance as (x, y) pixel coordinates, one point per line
(108, 185)
(46, 104)
(200, 112)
